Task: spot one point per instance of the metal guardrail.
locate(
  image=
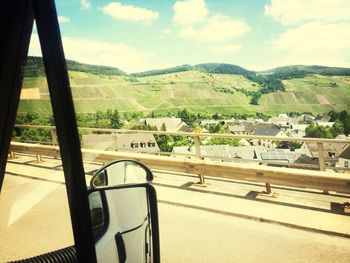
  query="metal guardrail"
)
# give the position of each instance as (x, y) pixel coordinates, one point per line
(194, 134)
(197, 136)
(321, 180)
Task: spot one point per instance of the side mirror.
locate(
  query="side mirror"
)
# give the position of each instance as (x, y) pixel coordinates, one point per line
(121, 172)
(124, 213)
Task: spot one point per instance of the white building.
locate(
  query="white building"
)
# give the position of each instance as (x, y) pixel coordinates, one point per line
(344, 158)
(131, 142)
(267, 130)
(172, 124)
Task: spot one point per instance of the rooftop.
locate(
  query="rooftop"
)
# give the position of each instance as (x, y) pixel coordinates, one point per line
(345, 154)
(283, 155)
(171, 123)
(264, 129)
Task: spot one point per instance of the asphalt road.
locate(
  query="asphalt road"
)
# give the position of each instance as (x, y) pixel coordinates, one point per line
(190, 235)
(35, 219)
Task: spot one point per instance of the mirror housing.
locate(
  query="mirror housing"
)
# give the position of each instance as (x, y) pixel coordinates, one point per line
(124, 213)
(127, 224)
(121, 172)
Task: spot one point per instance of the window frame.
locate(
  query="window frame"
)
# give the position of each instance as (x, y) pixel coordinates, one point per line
(16, 29)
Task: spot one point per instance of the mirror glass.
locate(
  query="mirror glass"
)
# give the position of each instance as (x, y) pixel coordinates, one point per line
(97, 214)
(121, 172)
(122, 223)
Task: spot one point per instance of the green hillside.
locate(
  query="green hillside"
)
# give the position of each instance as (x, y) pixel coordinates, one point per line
(301, 70)
(219, 68)
(201, 88)
(35, 68)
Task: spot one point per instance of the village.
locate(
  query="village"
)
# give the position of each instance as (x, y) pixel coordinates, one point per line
(265, 151)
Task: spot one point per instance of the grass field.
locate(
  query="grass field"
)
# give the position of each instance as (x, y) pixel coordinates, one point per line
(194, 90)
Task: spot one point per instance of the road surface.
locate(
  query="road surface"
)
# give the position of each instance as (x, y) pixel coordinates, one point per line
(35, 219)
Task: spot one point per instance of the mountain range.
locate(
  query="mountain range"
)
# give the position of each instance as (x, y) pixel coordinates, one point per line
(203, 88)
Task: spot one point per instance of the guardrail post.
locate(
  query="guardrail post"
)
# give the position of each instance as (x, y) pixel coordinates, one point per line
(12, 155)
(38, 158)
(197, 143)
(321, 160)
(268, 188)
(53, 137)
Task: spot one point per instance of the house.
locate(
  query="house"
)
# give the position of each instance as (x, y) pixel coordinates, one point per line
(136, 142)
(208, 122)
(211, 152)
(246, 152)
(325, 123)
(324, 118)
(228, 122)
(243, 129)
(265, 129)
(252, 120)
(285, 156)
(288, 158)
(297, 119)
(331, 151)
(224, 153)
(281, 119)
(284, 127)
(307, 118)
(131, 142)
(215, 122)
(344, 158)
(306, 162)
(297, 130)
(172, 124)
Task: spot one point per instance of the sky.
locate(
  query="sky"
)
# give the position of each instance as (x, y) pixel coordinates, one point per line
(140, 35)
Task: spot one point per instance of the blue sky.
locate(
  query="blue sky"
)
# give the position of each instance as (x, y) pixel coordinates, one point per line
(141, 35)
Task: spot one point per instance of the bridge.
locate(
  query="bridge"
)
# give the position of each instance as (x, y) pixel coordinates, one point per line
(216, 211)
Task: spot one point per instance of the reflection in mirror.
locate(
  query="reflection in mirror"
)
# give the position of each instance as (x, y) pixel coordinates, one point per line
(98, 219)
(100, 179)
(121, 172)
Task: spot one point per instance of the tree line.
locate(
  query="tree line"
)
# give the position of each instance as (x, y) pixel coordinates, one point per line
(35, 68)
(341, 126)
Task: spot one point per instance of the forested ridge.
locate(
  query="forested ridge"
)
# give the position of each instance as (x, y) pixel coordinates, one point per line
(269, 80)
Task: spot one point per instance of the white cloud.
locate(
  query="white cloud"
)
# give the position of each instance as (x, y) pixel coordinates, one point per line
(217, 29)
(85, 4)
(188, 12)
(63, 19)
(318, 31)
(296, 11)
(224, 48)
(316, 43)
(101, 53)
(130, 13)
(166, 31)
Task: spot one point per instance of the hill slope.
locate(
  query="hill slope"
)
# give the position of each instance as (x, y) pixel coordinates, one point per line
(301, 71)
(196, 90)
(35, 68)
(211, 87)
